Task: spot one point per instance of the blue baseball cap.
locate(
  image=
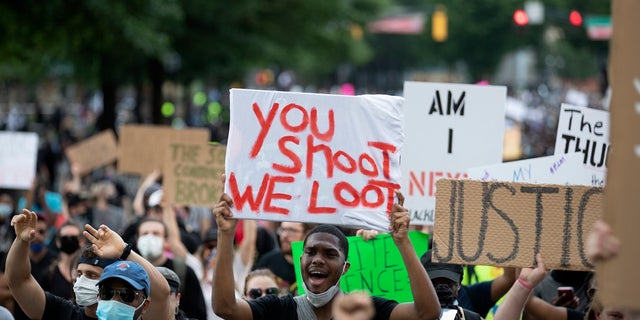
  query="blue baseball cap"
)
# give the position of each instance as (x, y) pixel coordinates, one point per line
(129, 271)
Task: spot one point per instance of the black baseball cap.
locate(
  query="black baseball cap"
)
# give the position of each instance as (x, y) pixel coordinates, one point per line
(435, 270)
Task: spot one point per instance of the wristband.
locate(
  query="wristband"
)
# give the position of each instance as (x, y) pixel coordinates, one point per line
(127, 251)
(524, 284)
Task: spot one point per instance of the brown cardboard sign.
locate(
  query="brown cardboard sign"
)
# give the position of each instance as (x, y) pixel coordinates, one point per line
(192, 173)
(507, 223)
(142, 147)
(98, 150)
(617, 280)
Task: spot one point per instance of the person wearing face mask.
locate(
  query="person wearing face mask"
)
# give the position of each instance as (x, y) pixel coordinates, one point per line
(57, 278)
(151, 243)
(323, 262)
(107, 246)
(446, 280)
(123, 292)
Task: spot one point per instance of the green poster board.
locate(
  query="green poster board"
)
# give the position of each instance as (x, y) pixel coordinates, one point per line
(376, 266)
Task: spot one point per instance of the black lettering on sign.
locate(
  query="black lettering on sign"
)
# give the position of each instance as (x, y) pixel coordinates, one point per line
(452, 218)
(514, 222)
(453, 106)
(539, 212)
(584, 201)
(488, 201)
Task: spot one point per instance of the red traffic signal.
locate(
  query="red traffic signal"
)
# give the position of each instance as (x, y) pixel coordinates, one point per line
(520, 17)
(575, 18)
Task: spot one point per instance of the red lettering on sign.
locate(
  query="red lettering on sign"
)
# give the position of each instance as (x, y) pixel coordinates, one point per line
(386, 148)
(311, 149)
(297, 163)
(265, 125)
(337, 193)
(328, 135)
(313, 201)
(247, 196)
(351, 168)
(304, 122)
(419, 184)
(278, 196)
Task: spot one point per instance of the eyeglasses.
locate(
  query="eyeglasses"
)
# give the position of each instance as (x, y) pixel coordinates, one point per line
(288, 230)
(256, 293)
(126, 294)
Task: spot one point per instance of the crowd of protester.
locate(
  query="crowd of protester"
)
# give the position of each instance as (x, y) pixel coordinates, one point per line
(104, 246)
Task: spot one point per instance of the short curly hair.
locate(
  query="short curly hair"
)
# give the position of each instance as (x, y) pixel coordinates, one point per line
(343, 243)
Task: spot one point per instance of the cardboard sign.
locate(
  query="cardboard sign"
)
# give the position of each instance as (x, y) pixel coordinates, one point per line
(376, 266)
(315, 158)
(506, 224)
(192, 174)
(566, 169)
(142, 148)
(617, 283)
(99, 150)
(449, 128)
(18, 157)
(584, 130)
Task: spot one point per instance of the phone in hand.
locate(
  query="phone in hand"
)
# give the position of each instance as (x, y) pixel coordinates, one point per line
(565, 291)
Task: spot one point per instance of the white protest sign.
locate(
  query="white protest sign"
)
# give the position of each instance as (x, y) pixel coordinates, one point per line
(449, 128)
(565, 169)
(315, 158)
(18, 157)
(584, 130)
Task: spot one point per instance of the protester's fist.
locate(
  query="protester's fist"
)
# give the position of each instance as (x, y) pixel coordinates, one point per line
(106, 243)
(25, 225)
(224, 215)
(533, 276)
(353, 306)
(400, 219)
(601, 245)
(366, 234)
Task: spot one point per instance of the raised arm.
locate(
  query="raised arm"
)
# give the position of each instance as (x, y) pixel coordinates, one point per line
(138, 200)
(223, 296)
(513, 304)
(425, 303)
(24, 287)
(108, 244)
(500, 285)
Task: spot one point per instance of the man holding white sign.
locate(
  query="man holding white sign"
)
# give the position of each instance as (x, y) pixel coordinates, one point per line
(323, 263)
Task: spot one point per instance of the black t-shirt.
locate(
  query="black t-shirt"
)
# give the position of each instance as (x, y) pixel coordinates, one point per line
(476, 297)
(52, 281)
(58, 308)
(284, 308)
(40, 267)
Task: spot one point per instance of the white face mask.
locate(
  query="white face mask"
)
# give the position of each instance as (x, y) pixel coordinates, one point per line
(86, 291)
(5, 210)
(150, 246)
(320, 299)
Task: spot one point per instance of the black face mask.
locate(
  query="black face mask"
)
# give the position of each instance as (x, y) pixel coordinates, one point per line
(69, 244)
(446, 295)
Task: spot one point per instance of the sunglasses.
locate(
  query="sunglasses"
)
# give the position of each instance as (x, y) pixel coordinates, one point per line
(257, 292)
(127, 295)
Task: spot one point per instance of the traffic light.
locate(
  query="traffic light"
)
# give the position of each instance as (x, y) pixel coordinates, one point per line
(520, 17)
(439, 28)
(575, 18)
